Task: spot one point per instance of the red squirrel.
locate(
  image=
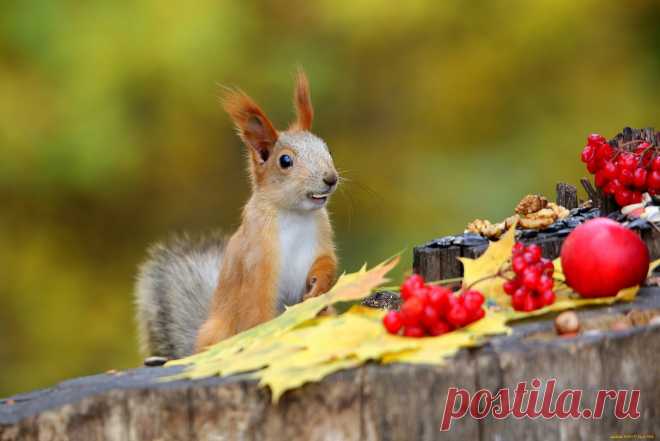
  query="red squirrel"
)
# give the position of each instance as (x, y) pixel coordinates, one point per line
(192, 294)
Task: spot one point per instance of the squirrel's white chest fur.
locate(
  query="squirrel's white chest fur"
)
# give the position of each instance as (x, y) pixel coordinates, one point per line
(298, 247)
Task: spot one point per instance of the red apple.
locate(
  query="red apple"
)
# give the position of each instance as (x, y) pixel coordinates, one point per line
(601, 257)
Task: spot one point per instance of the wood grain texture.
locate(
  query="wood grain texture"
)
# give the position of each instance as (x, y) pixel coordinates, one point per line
(567, 195)
(373, 402)
(436, 263)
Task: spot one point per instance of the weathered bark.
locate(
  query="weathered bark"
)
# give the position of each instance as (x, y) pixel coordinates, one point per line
(396, 402)
(438, 263)
(567, 195)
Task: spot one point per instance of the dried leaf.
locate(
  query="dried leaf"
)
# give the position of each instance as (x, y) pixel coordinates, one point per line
(298, 347)
(352, 286)
(479, 272)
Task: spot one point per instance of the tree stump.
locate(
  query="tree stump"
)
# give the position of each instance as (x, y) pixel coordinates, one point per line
(437, 260)
(396, 402)
(567, 195)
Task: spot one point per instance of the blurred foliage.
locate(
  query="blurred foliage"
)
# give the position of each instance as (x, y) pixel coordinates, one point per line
(437, 112)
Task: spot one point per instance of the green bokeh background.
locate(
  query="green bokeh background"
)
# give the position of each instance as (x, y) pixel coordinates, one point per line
(111, 135)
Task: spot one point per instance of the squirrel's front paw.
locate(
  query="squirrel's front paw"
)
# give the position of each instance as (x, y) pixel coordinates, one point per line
(312, 290)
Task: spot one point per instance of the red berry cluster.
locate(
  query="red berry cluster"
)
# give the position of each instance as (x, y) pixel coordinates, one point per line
(623, 172)
(531, 288)
(432, 310)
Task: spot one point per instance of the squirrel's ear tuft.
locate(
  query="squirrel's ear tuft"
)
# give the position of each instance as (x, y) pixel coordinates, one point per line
(303, 103)
(254, 127)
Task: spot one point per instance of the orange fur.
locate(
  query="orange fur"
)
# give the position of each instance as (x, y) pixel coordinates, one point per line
(303, 104)
(247, 291)
(253, 126)
(321, 276)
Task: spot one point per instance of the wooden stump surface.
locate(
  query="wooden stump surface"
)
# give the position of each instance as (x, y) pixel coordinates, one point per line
(392, 402)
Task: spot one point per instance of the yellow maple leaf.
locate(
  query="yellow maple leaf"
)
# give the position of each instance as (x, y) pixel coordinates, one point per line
(298, 347)
(569, 299)
(434, 350)
(480, 273)
(352, 286)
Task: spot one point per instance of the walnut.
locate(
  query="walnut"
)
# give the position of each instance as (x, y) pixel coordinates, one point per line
(485, 228)
(540, 219)
(531, 204)
(544, 218)
(533, 212)
(511, 220)
(560, 212)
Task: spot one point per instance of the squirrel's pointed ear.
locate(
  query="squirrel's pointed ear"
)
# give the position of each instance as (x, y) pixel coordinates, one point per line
(254, 127)
(303, 103)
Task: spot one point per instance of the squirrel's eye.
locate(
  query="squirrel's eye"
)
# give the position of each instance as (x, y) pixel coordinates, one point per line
(286, 161)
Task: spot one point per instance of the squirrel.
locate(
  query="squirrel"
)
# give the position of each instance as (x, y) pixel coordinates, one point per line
(190, 294)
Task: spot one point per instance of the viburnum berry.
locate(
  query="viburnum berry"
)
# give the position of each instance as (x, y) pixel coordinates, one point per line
(458, 316)
(547, 266)
(545, 283)
(604, 153)
(592, 166)
(439, 298)
(588, 153)
(426, 309)
(410, 284)
(600, 179)
(639, 177)
(609, 170)
(548, 297)
(613, 186)
(655, 164)
(518, 264)
(414, 331)
(531, 277)
(510, 286)
(595, 139)
(429, 316)
(535, 252)
(439, 328)
(625, 176)
(518, 298)
(392, 322)
(628, 161)
(529, 304)
(477, 314)
(472, 300)
(653, 180)
(532, 283)
(624, 171)
(411, 311)
(623, 197)
(518, 248)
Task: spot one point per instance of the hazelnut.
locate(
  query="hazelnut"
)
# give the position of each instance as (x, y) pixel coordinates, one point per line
(567, 322)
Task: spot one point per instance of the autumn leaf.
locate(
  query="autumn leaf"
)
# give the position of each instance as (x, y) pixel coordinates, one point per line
(569, 299)
(298, 347)
(481, 273)
(352, 286)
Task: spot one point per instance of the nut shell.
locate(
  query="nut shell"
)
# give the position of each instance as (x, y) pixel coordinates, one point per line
(567, 323)
(531, 204)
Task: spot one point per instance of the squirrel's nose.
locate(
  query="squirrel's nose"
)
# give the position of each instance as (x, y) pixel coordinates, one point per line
(330, 180)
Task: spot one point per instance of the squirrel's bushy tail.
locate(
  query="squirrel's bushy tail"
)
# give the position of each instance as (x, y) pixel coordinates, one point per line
(173, 293)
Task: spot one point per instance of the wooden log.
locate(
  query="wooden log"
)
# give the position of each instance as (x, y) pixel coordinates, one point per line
(437, 263)
(567, 195)
(602, 201)
(373, 402)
